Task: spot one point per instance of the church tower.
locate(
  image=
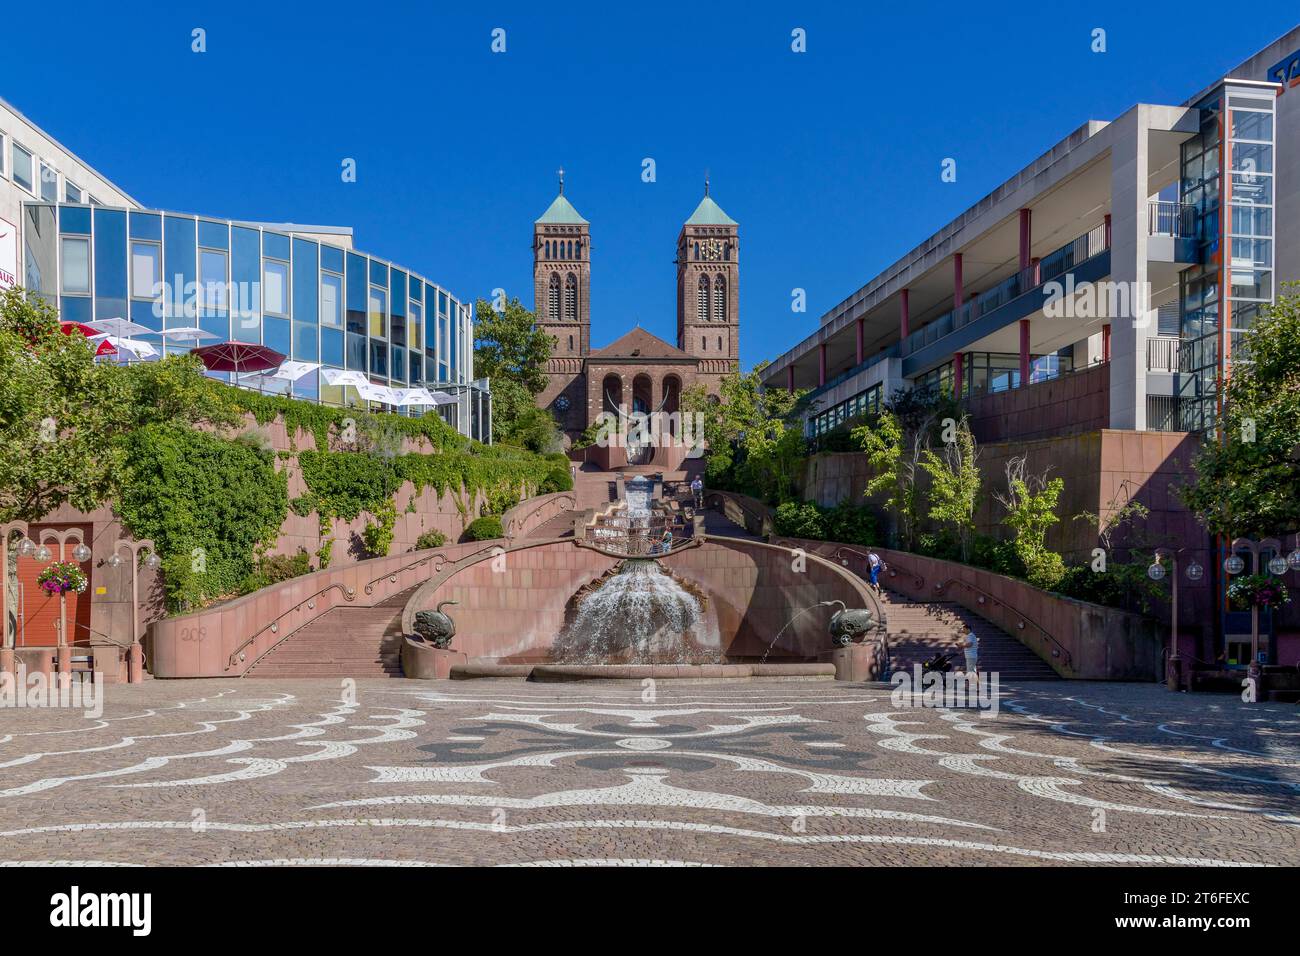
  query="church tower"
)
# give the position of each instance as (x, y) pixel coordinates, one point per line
(562, 277)
(708, 293)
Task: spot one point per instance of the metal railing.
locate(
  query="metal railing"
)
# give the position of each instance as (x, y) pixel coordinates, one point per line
(1171, 219)
(1162, 353)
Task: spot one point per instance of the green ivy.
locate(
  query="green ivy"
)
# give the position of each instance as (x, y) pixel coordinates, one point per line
(209, 504)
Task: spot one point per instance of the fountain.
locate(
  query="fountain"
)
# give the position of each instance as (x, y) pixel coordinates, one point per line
(639, 615)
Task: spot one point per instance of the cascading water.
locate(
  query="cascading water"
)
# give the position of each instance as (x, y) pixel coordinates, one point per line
(640, 615)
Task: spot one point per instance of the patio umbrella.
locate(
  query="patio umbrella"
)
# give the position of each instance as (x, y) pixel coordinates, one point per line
(119, 327)
(338, 376)
(238, 357)
(378, 393)
(96, 338)
(414, 396)
(140, 350)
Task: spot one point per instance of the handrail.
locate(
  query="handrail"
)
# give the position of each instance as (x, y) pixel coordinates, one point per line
(565, 500)
(985, 595)
(720, 498)
(349, 594)
(392, 575)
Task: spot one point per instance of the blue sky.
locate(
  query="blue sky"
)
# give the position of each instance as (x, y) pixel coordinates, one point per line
(829, 159)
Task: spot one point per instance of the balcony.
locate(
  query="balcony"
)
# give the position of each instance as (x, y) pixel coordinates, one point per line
(1162, 353)
(1171, 233)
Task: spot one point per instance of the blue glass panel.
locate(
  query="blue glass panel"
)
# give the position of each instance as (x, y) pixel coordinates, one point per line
(417, 369)
(356, 297)
(218, 325)
(308, 386)
(146, 225)
(357, 352)
(397, 322)
(417, 289)
(180, 269)
(430, 371)
(75, 308)
(331, 348)
(454, 349)
(379, 273)
(147, 315)
(306, 285)
(275, 245)
(304, 342)
(214, 235)
(331, 258)
(430, 323)
(399, 364)
(75, 219)
(276, 334)
(246, 284)
(378, 359)
(110, 264)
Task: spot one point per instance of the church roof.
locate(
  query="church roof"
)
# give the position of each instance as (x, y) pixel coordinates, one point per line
(562, 211)
(709, 213)
(641, 344)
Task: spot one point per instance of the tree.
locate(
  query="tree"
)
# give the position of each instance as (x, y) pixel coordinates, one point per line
(512, 352)
(755, 436)
(59, 413)
(894, 457)
(955, 482)
(1247, 474)
(1030, 502)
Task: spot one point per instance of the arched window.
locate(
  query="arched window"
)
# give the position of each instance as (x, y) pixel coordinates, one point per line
(704, 344)
(719, 299)
(548, 250)
(702, 300)
(570, 343)
(553, 299)
(719, 343)
(726, 252)
(571, 298)
(697, 250)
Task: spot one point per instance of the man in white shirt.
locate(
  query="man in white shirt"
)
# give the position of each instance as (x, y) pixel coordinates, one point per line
(971, 645)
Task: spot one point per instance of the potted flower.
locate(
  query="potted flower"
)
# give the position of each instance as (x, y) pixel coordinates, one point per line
(62, 577)
(1262, 590)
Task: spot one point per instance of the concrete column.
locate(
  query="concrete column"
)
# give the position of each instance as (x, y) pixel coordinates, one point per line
(958, 367)
(789, 377)
(957, 297)
(821, 364)
(905, 316)
(1126, 234)
(861, 333)
(1105, 342)
(1024, 352)
(1026, 217)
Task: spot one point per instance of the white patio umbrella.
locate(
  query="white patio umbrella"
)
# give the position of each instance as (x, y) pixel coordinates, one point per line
(378, 393)
(120, 327)
(338, 376)
(187, 333)
(292, 371)
(141, 350)
(414, 396)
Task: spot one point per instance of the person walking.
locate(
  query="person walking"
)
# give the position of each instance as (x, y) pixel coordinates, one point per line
(971, 645)
(874, 566)
(697, 491)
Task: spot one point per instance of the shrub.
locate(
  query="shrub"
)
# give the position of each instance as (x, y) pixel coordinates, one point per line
(850, 524)
(430, 539)
(378, 535)
(274, 568)
(799, 519)
(1043, 569)
(484, 529)
(303, 505)
(558, 475)
(997, 556)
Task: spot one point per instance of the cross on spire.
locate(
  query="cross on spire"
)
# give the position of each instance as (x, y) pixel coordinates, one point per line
(561, 172)
(706, 182)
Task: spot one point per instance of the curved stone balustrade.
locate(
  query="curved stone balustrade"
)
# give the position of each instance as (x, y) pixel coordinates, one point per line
(535, 512)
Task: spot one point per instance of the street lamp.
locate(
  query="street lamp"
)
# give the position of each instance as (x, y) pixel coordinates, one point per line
(1156, 572)
(1234, 564)
(25, 547)
(135, 654)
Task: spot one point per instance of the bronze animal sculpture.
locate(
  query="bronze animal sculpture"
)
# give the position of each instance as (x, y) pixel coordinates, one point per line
(435, 627)
(849, 624)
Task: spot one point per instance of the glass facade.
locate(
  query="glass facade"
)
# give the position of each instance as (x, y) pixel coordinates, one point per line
(314, 302)
(866, 402)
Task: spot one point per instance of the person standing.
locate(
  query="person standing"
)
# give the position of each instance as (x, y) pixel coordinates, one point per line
(697, 491)
(971, 645)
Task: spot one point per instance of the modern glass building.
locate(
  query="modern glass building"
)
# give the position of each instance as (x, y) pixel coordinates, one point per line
(301, 290)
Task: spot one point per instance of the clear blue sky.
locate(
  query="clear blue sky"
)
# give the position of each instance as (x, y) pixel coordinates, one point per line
(829, 159)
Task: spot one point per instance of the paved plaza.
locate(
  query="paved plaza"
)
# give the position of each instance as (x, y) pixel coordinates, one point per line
(500, 772)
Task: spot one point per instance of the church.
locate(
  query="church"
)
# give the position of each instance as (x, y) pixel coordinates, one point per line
(639, 370)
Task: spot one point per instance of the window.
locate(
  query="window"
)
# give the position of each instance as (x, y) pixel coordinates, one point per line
(331, 300)
(72, 192)
(146, 271)
(22, 166)
(378, 317)
(416, 324)
(49, 183)
(719, 299)
(2, 154)
(571, 298)
(702, 300)
(553, 299)
(212, 280)
(275, 287)
(76, 265)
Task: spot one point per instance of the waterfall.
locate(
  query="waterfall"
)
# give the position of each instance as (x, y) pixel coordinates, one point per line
(640, 615)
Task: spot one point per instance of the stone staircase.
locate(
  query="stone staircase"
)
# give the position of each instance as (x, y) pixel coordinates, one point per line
(342, 642)
(920, 629)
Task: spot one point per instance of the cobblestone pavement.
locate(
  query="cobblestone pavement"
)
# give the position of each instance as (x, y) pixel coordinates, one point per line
(505, 772)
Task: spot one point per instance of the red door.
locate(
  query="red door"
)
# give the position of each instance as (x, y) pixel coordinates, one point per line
(38, 622)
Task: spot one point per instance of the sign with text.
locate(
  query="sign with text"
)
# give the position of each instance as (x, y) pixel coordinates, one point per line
(8, 254)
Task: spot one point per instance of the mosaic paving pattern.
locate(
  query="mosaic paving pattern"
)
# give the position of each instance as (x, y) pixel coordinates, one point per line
(290, 773)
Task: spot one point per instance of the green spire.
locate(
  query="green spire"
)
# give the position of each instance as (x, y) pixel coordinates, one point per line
(561, 210)
(709, 213)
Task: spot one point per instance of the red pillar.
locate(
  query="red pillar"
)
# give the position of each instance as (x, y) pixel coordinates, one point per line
(861, 333)
(1036, 264)
(821, 364)
(957, 296)
(1024, 351)
(957, 369)
(789, 377)
(1107, 230)
(1026, 216)
(905, 317)
(1105, 342)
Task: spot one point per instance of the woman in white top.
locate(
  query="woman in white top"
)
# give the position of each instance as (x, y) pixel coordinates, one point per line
(971, 645)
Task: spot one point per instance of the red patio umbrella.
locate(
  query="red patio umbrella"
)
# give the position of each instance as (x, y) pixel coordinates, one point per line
(103, 348)
(238, 357)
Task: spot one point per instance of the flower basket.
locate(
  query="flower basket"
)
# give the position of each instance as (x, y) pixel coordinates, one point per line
(1261, 590)
(62, 577)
